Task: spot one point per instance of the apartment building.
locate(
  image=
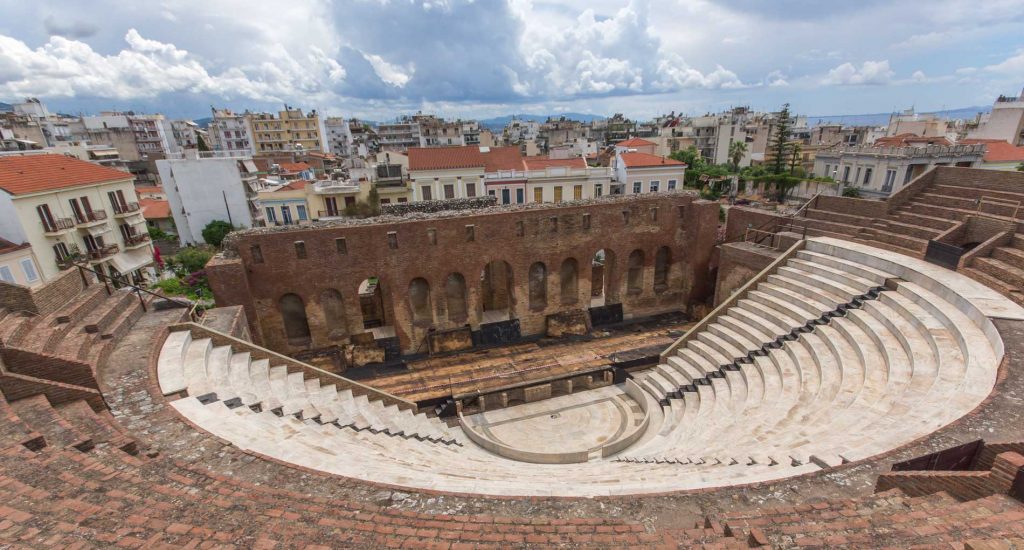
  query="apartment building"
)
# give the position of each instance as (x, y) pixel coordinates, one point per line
(1005, 122)
(338, 136)
(154, 136)
(71, 211)
(289, 130)
(230, 131)
(203, 189)
(186, 134)
(638, 172)
(399, 136)
(557, 180)
(18, 265)
(883, 168)
(111, 129)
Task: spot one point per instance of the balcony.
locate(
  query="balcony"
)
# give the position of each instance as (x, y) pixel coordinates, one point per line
(67, 262)
(91, 218)
(121, 210)
(321, 214)
(57, 226)
(135, 240)
(96, 254)
(330, 187)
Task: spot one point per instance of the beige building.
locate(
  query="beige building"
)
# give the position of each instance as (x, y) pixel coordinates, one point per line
(69, 211)
(18, 265)
(557, 180)
(880, 170)
(289, 130)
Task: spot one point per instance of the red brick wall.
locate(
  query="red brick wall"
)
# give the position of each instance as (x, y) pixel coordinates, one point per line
(964, 485)
(739, 218)
(48, 367)
(45, 299)
(739, 263)
(518, 236)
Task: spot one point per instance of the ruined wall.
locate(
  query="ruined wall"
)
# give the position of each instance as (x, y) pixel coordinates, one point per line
(739, 263)
(267, 264)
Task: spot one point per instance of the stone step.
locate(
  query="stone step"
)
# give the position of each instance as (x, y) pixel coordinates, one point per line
(1009, 274)
(1012, 256)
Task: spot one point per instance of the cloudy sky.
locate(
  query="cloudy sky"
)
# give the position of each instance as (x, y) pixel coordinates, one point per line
(478, 58)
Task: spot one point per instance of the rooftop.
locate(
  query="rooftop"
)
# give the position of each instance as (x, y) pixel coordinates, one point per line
(294, 166)
(636, 142)
(997, 150)
(910, 140)
(540, 163)
(491, 159)
(642, 160)
(7, 246)
(154, 209)
(22, 175)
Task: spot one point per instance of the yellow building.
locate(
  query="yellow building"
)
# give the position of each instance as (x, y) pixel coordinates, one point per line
(71, 211)
(289, 130)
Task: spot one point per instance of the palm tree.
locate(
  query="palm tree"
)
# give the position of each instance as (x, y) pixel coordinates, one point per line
(736, 151)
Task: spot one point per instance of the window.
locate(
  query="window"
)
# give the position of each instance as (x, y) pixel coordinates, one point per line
(6, 275)
(671, 185)
(332, 205)
(301, 209)
(449, 191)
(341, 246)
(827, 166)
(654, 186)
(558, 194)
(286, 214)
(856, 176)
(506, 196)
(30, 270)
(890, 179)
(470, 189)
(426, 194)
(867, 176)
(520, 196)
(598, 190)
(300, 249)
(846, 174)
(577, 192)
(271, 215)
(637, 186)
(538, 194)
(60, 250)
(257, 254)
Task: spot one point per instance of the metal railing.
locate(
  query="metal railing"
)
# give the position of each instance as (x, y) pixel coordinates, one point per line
(126, 208)
(102, 252)
(91, 216)
(194, 312)
(996, 201)
(58, 224)
(136, 238)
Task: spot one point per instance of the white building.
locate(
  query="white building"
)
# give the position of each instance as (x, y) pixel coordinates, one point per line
(201, 190)
(337, 136)
(154, 136)
(231, 132)
(1005, 122)
(880, 170)
(184, 132)
(71, 211)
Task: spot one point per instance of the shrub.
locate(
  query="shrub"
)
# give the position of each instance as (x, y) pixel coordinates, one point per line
(215, 231)
(851, 192)
(190, 260)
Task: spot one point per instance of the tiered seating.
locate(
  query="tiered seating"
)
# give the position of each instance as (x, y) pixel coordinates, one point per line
(843, 353)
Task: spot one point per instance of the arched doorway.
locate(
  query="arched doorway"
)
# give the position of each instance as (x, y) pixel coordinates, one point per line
(538, 279)
(371, 303)
(496, 291)
(635, 273)
(662, 268)
(293, 314)
(455, 298)
(602, 279)
(334, 313)
(419, 300)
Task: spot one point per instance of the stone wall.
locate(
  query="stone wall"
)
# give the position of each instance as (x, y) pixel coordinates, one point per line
(473, 203)
(427, 252)
(739, 263)
(1005, 473)
(45, 299)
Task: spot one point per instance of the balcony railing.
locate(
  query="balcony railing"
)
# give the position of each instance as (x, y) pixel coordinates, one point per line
(58, 225)
(91, 217)
(329, 213)
(125, 209)
(66, 262)
(103, 252)
(136, 239)
(327, 187)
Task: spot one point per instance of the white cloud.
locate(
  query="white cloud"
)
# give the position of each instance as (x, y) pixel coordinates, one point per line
(390, 73)
(870, 72)
(775, 79)
(919, 76)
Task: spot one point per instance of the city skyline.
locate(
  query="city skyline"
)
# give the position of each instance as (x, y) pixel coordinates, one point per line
(480, 59)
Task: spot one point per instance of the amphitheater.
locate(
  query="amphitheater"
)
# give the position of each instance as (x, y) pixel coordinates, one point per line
(849, 392)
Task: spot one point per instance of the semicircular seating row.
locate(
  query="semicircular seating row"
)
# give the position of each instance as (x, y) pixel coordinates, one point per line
(899, 364)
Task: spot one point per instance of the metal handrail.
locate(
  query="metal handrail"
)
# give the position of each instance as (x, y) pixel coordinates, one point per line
(1004, 202)
(139, 291)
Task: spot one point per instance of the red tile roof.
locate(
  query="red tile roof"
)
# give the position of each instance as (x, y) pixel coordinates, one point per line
(641, 160)
(297, 185)
(153, 209)
(21, 175)
(140, 189)
(7, 246)
(453, 158)
(294, 166)
(997, 150)
(540, 163)
(636, 142)
(904, 140)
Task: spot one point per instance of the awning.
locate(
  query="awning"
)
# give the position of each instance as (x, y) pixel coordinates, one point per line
(98, 230)
(250, 166)
(130, 260)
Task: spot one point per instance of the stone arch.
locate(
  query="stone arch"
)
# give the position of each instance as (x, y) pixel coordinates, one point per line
(568, 276)
(635, 272)
(419, 299)
(538, 279)
(293, 314)
(603, 288)
(455, 297)
(662, 267)
(496, 291)
(333, 307)
(371, 303)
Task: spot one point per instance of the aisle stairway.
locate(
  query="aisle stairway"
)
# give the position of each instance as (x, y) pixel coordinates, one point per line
(842, 353)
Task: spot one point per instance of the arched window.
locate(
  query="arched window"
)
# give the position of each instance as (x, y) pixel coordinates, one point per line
(455, 297)
(635, 275)
(334, 313)
(419, 299)
(568, 277)
(293, 313)
(662, 265)
(538, 286)
(496, 287)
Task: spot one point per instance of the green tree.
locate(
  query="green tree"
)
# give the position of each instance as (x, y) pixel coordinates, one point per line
(191, 259)
(201, 143)
(1020, 167)
(215, 231)
(736, 151)
(778, 142)
(794, 158)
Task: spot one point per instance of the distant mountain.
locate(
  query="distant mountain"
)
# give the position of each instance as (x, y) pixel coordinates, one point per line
(6, 107)
(202, 122)
(497, 123)
(882, 119)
